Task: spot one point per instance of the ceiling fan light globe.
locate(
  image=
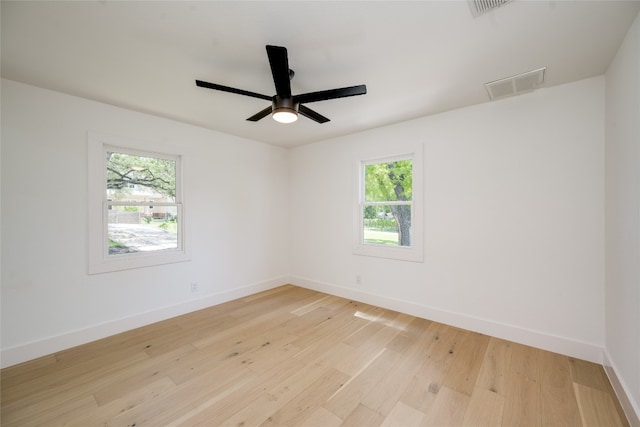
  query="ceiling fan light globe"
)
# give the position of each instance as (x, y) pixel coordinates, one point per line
(285, 115)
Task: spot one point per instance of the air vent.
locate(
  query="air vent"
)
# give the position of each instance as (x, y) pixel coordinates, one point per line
(478, 7)
(515, 85)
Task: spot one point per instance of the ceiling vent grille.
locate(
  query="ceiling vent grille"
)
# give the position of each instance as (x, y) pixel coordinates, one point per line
(478, 7)
(515, 85)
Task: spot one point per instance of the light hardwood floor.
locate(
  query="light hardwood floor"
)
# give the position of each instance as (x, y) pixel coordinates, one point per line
(292, 356)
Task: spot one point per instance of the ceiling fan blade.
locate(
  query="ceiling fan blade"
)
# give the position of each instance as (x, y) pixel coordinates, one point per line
(280, 70)
(310, 114)
(214, 86)
(325, 95)
(260, 115)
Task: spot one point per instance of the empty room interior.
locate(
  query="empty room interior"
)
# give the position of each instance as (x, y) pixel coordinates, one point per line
(320, 213)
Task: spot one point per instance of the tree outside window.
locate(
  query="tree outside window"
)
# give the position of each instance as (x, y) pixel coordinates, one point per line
(387, 202)
(142, 210)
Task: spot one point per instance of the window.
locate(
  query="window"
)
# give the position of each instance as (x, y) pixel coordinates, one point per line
(136, 214)
(388, 213)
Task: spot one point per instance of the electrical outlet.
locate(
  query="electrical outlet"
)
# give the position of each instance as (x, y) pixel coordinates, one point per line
(194, 287)
(358, 280)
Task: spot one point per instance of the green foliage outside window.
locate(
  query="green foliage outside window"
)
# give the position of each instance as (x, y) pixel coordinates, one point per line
(389, 181)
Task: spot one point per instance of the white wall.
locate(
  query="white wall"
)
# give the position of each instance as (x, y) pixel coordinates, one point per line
(514, 214)
(236, 194)
(623, 217)
(513, 221)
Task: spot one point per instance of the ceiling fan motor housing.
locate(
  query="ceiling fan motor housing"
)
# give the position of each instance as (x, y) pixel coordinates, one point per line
(285, 104)
(284, 110)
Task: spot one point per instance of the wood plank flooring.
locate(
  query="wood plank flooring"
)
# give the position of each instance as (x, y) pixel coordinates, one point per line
(295, 357)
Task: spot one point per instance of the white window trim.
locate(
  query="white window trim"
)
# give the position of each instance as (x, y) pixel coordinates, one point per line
(99, 259)
(415, 252)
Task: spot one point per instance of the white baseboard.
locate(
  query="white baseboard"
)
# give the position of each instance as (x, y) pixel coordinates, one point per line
(35, 349)
(630, 407)
(556, 344)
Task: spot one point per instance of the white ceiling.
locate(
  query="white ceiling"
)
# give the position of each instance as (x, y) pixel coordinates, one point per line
(417, 58)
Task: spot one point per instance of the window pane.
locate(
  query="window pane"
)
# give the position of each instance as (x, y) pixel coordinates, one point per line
(387, 225)
(142, 228)
(390, 181)
(139, 178)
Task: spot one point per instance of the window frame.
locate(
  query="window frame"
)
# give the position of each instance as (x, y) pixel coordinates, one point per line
(414, 252)
(100, 261)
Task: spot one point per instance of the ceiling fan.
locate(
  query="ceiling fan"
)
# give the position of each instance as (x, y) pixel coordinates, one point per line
(284, 106)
